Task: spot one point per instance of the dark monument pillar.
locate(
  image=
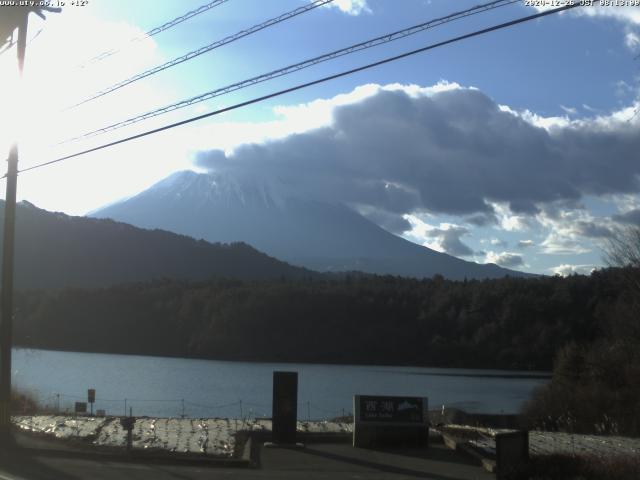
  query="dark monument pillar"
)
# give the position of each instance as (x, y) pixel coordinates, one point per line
(285, 407)
(512, 454)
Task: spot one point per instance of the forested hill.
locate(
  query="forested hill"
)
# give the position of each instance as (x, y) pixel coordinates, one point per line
(505, 323)
(55, 250)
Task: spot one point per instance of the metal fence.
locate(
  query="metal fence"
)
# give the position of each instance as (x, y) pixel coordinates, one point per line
(62, 403)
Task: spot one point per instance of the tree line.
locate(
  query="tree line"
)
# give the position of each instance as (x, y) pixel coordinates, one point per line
(510, 323)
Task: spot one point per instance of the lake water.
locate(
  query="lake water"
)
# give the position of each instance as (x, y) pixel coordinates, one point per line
(159, 386)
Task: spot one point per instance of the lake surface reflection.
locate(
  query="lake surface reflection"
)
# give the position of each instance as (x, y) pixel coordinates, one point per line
(159, 386)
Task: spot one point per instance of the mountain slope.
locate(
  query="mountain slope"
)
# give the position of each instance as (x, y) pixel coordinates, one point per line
(56, 250)
(301, 231)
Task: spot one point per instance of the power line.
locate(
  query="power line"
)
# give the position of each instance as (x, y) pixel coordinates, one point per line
(308, 84)
(156, 30)
(7, 46)
(207, 48)
(298, 66)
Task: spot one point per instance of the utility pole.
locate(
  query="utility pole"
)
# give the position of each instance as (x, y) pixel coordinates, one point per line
(17, 17)
(6, 325)
(6, 321)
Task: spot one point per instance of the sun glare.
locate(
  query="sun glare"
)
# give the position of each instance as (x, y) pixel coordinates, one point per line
(33, 107)
(13, 117)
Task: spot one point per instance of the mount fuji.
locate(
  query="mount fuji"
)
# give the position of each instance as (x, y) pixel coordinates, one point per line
(300, 230)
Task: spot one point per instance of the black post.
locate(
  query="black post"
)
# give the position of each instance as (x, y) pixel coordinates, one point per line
(285, 407)
(127, 424)
(6, 323)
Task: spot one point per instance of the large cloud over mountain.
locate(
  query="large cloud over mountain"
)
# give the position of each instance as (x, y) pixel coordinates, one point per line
(449, 151)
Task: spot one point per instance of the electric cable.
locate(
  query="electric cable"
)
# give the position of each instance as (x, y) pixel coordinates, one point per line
(156, 30)
(207, 48)
(296, 67)
(307, 84)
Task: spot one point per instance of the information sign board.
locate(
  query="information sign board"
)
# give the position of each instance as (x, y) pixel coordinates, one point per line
(391, 409)
(394, 420)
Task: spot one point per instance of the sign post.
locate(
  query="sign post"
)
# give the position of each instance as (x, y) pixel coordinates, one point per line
(390, 420)
(127, 424)
(91, 398)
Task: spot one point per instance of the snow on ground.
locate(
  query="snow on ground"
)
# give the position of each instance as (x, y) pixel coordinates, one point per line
(542, 443)
(325, 427)
(216, 436)
(210, 436)
(262, 424)
(61, 426)
(545, 443)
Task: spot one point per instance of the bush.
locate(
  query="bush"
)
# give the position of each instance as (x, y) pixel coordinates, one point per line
(594, 389)
(23, 403)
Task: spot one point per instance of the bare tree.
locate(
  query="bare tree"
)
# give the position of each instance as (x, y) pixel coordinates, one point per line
(623, 250)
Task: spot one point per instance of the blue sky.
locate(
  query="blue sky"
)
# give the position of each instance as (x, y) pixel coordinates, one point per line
(551, 100)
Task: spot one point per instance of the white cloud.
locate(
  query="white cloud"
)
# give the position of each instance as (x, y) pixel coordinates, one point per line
(454, 139)
(508, 220)
(504, 259)
(351, 7)
(462, 154)
(420, 233)
(557, 244)
(627, 14)
(446, 237)
(565, 269)
(632, 40)
(299, 118)
(548, 123)
(572, 229)
(609, 121)
(318, 113)
(626, 203)
(525, 243)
